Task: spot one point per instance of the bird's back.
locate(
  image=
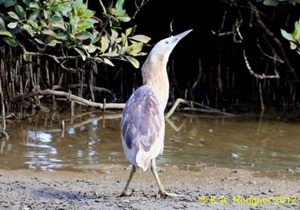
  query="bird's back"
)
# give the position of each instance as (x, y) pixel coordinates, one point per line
(143, 127)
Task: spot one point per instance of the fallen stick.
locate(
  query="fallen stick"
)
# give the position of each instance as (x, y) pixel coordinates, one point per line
(70, 97)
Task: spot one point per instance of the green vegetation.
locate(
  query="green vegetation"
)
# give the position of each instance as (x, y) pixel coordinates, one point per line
(68, 26)
(294, 37)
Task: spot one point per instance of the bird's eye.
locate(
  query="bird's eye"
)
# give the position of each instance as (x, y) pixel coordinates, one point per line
(167, 42)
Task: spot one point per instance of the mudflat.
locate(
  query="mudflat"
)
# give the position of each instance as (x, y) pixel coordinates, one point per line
(98, 187)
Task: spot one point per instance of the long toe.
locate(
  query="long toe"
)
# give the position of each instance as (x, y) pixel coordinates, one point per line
(168, 194)
(126, 193)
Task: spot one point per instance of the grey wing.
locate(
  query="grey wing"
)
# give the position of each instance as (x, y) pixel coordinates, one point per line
(142, 119)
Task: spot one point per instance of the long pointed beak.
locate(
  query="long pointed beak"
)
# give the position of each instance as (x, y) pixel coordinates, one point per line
(183, 34)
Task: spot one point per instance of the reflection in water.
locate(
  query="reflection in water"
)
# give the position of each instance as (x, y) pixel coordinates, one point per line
(42, 155)
(191, 142)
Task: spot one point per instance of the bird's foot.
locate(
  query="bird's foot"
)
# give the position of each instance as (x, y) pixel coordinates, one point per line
(126, 193)
(168, 194)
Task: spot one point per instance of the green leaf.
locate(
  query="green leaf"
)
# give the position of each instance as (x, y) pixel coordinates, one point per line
(34, 15)
(83, 35)
(296, 33)
(98, 59)
(108, 62)
(124, 18)
(90, 48)
(114, 35)
(34, 25)
(270, 2)
(128, 31)
(2, 24)
(21, 12)
(110, 54)
(119, 39)
(141, 38)
(83, 56)
(39, 41)
(86, 24)
(34, 5)
(119, 5)
(133, 61)
(104, 43)
(11, 41)
(9, 3)
(26, 2)
(58, 22)
(88, 13)
(62, 36)
(5, 33)
(135, 48)
(29, 29)
(12, 25)
(45, 13)
(293, 45)
(124, 40)
(65, 9)
(95, 38)
(53, 42)
(13, 15)
(48, 32)
(286, 35)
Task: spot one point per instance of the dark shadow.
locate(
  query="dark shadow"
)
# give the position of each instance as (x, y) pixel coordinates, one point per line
(64, 195)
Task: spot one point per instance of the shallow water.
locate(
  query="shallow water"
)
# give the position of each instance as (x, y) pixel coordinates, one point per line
(192, 142)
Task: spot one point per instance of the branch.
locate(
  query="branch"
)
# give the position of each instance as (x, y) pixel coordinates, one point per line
(259, 76)
(139, 7)
(3, 133)
(275, 57)
(70, 97)
(272, 35)
(175, 105)
(235, 32)
(95, 88)
(206, 109)
(103, 7)
(58, 59)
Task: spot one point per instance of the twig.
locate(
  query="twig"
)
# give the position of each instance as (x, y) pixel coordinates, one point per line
(259, 76)
(175, 105)
(261, 98)
(139, 7)
(3, 132)
(61, 60)
(198, 77)
(237, 36)
(103, 7)
(206, 109)
(275, 57)
(276, 40)
(171, 28)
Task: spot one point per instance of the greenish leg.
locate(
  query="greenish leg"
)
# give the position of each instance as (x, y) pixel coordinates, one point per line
(161, 191)
(126, 192)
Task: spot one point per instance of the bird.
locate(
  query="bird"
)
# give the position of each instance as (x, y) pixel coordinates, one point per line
(143, 121)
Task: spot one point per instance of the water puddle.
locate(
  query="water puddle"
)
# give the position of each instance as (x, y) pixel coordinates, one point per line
(191, 142)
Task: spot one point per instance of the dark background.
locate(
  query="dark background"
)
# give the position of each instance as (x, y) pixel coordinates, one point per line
(221, 59)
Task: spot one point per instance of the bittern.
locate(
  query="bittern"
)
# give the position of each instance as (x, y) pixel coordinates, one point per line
(143, 122)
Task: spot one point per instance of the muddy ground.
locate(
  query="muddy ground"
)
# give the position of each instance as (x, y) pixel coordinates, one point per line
(98, 187)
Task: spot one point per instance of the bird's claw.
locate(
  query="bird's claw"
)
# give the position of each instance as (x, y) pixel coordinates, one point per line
(167, 194)
(126, 193)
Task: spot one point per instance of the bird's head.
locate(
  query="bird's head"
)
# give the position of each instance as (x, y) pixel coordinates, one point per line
(165, 46)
